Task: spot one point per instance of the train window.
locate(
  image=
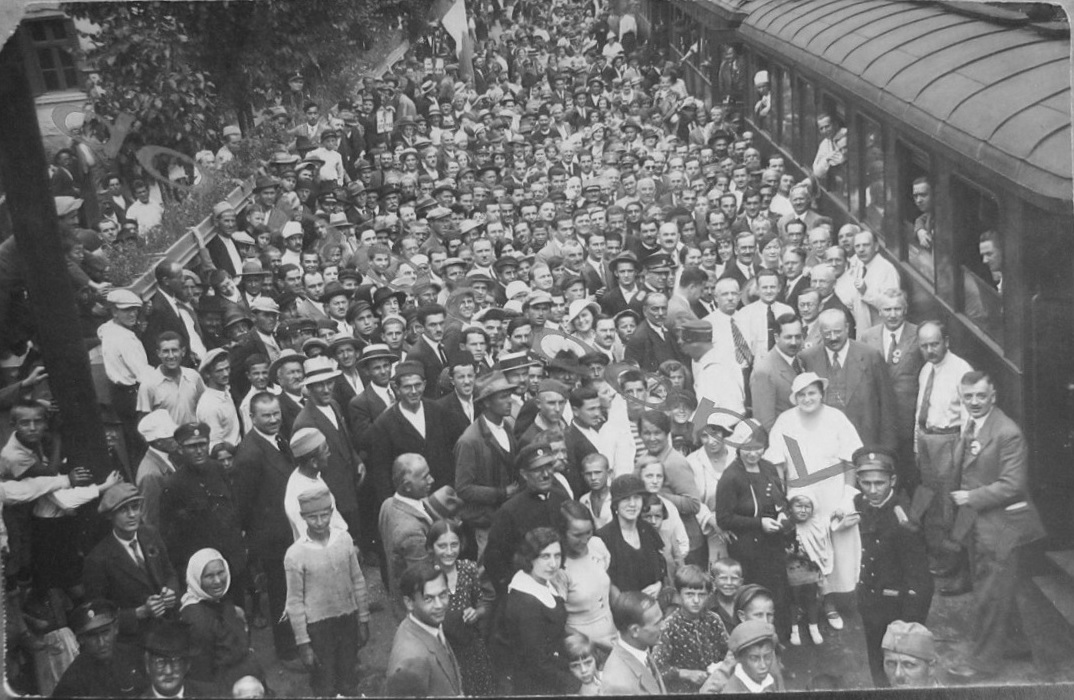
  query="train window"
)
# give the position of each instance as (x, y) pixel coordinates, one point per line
(763, 112)
(806, 146)
(830, 161)
(731, 75)
(915, 210)
(978, 249)
(867, 173)
(787, 108)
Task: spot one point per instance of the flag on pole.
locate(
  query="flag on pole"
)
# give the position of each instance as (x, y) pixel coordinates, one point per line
(452, 14)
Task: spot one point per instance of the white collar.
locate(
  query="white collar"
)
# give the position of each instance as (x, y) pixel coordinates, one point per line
(434, 631)
(788, 358)
(419, 412)
(525, 583)
(641, 656)
(841, 354)
(413, 503)
(270, 439)
(748, 682)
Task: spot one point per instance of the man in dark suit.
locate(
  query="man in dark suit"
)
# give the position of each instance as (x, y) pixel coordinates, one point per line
(223, 252)
(429, 350)
(344, 470)
(485, 474)
(104, 667)
(993, 458)
(638, 618)
(263, 464)
(795, 277)
(376, 360)
(582, 437)
(288, 373)
(743, 266)
(774, 372)
(624, 293)
(170, 310)
(858, 382)
(652, 343)
(413, 424)
(130, 566)
(421, 663)
(896, 340)
(459, 404)
(595, 273)
(823, 277)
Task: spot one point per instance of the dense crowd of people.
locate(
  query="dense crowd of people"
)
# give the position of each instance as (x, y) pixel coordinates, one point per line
(554, 349)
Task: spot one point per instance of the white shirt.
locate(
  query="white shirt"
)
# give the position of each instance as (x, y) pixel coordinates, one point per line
(848, 294)
(605, 515)
(467, 406)
(330, 415)
(945, 405)
(415, 504)
(416, 419)
(299, 483)
(145, 215)
(124, 356)
(232, 252)
(129, 549)
(885, 339)
(880, 275)
(752, 320)
(332, 170)
(499, 432)
(718, 376)
(640, 655)
(761, 687)
(217, 410)
(385, 393)
(197, 347)
(841, 354)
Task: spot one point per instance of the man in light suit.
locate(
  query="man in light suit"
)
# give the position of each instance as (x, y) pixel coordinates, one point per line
(630, 669)
(993, 458)
(858, 383)
(774, 372)
(404, 522)
(421, 662)
(896, 339)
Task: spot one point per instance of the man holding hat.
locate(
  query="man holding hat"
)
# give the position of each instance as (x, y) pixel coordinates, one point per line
(168, 649)
(485, 474)
(130, 566)
(537, 505)
(158, 430)
(894, 583)
(216, 408)
(343, 471)
(196, 506)
(909, 655)
(104, 668)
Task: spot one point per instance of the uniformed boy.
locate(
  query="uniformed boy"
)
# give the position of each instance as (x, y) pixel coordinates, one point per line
(894, 582)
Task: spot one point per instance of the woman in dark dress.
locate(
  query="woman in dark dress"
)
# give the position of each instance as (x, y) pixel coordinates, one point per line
(534, 621)
(468, 609)
(751, 503)
(218, 632)
(637, 561)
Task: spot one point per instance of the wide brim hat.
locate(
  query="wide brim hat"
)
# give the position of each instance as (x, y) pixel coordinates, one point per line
(805, 379)
(491, 384)
(377, 351)
(626, 485)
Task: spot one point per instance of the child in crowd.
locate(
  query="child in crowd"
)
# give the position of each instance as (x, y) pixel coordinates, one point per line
(727, 578)
(694, 639)
(753, 644)
(809, 558)
(327, 601)
(655, 512)
(583, 663)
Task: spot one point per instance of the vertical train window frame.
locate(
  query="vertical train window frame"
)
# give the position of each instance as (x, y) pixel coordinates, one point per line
(976, 211)
(916, 163)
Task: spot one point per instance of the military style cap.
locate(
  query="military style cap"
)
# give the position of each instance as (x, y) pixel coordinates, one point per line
(910, 638)
(92, 615)
(873, 459)
(657, 260)
(696, 331)
(535, 456)
(189, 431)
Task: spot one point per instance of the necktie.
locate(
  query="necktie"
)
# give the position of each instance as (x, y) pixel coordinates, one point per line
(137, 552)
(891, 351)
(971, 430)
(440, 353)
(926, 399)
(282, 446)
(743, 356)
(837, 366)
(773, 327)
(391, 396)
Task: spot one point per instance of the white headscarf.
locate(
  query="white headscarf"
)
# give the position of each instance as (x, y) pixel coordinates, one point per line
(194, 569)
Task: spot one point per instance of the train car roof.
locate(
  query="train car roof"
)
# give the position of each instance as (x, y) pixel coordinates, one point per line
(1000, 95)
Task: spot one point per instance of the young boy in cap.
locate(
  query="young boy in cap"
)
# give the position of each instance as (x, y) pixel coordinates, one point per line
(327, 601)
(753, 646)
(894, 583)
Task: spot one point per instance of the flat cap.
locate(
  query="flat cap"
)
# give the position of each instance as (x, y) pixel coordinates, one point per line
(265, 304)
(696, 331)
(123, 299)
(116, 496)
(910, 638)
(748, 633)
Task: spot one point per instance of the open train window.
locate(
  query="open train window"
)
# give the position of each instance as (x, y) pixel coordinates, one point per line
(787, 108)
(979, 241)
(830, 162)
(762, 99)
(867, 193)
(916, 220)
(806, 146)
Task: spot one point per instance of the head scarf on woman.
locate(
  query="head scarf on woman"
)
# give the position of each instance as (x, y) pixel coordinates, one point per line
(194, 570)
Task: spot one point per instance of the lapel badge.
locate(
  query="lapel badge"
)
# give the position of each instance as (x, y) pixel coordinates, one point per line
(896, 356)
(975, 447)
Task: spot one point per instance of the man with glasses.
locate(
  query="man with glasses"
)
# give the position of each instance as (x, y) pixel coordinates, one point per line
(168, 650)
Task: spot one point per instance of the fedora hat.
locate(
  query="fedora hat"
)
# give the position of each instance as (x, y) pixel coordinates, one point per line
(377, 351)
(490, 384)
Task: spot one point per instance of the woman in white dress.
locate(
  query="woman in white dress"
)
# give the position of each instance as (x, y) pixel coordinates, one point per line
(812, 444)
